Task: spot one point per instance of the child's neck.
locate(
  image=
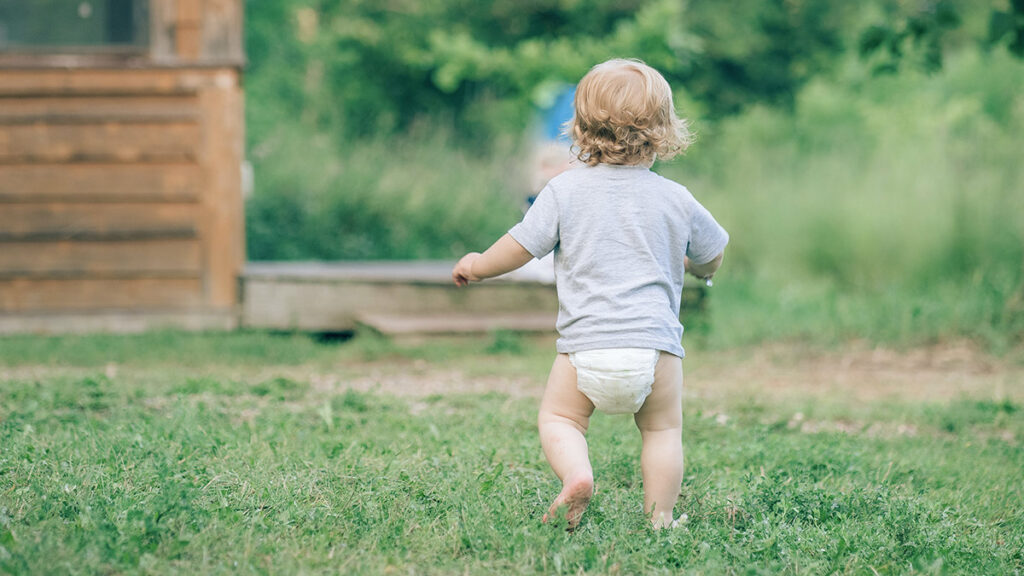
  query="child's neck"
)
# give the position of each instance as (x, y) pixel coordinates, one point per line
(643, 164)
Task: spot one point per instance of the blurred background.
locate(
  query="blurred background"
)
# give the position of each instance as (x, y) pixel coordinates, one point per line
(865, 156)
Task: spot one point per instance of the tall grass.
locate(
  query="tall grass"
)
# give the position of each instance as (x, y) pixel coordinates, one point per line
(420, 197)
(891, 208)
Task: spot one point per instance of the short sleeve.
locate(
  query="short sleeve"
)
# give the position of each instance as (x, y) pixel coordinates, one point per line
(538, 232)
(707, 237)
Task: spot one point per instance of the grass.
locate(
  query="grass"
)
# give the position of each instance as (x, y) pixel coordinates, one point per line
(118, 456)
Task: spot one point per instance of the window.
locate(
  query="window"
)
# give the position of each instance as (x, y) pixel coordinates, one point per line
(79, 25)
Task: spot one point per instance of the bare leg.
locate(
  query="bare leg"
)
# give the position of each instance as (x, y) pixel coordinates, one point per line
(660, 421)
(563, 420)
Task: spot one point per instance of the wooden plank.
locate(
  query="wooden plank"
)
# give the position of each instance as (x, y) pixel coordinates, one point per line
(188, 38)
(190, 12)
(407, 324)
(333, 296)
(116, 321)
(370, 271)
(115, 80)
(335, 306)
(176, 257)
(154, 182)
(187, 29)
(222, 228)
(24, 294)
(45, 222)
(91, 117)
(115, 142)
(55, 109)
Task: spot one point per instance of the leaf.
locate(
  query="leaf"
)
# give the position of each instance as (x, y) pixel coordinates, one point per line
(872, 39)
(999, 25)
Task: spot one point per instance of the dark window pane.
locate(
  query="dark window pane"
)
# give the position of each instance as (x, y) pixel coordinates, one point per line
(45, 24)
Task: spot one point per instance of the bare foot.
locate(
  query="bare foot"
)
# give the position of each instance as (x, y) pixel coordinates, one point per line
(662, 523)
(574, 498)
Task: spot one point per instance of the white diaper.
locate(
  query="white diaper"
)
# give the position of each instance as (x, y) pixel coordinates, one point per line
(617, 380)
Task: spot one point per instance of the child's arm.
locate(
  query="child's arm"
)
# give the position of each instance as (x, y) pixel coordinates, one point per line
(706, 270)
(503, 256)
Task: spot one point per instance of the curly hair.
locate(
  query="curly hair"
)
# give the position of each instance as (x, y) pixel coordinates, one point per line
(624, 115)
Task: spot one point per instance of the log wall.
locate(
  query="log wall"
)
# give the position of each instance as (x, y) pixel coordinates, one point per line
(120, 197)
(120, 178)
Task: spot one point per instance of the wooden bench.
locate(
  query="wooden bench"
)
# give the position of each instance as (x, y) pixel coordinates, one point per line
(398, 298)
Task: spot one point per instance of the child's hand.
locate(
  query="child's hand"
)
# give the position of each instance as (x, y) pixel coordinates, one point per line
(689, 270)
(706, 271)
(462, 274)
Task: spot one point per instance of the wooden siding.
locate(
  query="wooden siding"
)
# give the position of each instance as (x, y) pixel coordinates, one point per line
(98, 182)
(120, 195)
(117, 141)
(126, 293)
(89, 109)
(156, 257)
(65, 221)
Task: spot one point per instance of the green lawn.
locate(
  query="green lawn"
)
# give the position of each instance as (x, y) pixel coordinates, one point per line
(256, 453)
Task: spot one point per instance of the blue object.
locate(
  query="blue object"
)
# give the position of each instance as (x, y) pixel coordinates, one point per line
(560, 112)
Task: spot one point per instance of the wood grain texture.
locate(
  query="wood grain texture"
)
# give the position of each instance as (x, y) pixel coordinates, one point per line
(222, 226)
(26, 295)
(159, 258)
(120, 182)
(106, 81)
(100, 182)
(69, 221)
(113, 141)
(91, 109)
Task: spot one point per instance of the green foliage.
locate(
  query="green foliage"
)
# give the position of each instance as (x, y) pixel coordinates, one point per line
(891, 210)
(355, 69)
(362, 68)
(761, 51)
(884, 207)
(1009, 24)
(420, 197)
(160, 347)
(920, 33)
(173, 468)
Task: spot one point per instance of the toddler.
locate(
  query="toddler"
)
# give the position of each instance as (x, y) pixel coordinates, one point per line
(622, 237)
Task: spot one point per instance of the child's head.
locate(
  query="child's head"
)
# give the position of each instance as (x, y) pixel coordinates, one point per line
(625, 115)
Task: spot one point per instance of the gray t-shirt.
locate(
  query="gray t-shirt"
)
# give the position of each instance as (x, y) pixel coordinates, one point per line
(619, 234)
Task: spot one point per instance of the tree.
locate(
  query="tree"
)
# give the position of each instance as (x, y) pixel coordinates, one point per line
(1009, 24)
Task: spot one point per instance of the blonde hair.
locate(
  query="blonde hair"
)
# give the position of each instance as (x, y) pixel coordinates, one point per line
(624, 115)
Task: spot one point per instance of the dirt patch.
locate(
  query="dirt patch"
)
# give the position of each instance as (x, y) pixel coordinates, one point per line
(858, 372)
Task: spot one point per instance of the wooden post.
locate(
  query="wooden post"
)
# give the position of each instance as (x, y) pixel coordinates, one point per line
(188, 29)
(223, 234)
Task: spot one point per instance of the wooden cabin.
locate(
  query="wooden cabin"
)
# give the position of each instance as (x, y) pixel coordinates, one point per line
(121, 148)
